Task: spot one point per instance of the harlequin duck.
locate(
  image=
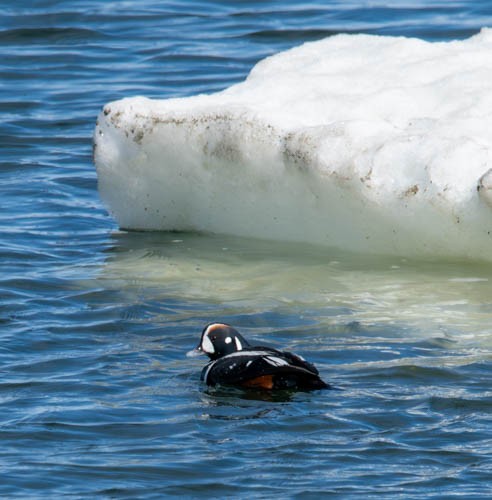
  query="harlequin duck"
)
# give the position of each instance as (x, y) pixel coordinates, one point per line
(235, 362)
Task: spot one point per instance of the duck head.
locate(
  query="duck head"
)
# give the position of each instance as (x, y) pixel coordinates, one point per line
(219, 339)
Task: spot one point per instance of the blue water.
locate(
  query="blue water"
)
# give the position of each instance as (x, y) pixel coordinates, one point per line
(97, 398)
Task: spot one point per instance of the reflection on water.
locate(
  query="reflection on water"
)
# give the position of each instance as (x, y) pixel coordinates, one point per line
(334, 293)
(230, 396)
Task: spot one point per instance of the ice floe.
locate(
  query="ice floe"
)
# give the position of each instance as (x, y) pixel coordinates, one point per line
(369, 143)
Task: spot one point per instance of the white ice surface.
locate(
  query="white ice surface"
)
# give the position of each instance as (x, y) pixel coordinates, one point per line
(373, 144)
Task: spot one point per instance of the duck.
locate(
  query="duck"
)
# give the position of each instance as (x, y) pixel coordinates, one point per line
(234, 362)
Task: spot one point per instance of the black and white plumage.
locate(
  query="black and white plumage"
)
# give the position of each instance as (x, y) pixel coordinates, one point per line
(235, 362)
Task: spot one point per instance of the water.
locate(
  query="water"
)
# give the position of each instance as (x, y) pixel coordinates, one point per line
(97, 397)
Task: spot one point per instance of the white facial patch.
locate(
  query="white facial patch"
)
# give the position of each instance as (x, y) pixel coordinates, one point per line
(228, 340)
(207, 345)
(238, 344)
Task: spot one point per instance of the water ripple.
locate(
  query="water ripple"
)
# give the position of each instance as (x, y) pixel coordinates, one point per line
(96, 395)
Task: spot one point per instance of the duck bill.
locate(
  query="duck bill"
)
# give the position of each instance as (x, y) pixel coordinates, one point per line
(194, 352)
